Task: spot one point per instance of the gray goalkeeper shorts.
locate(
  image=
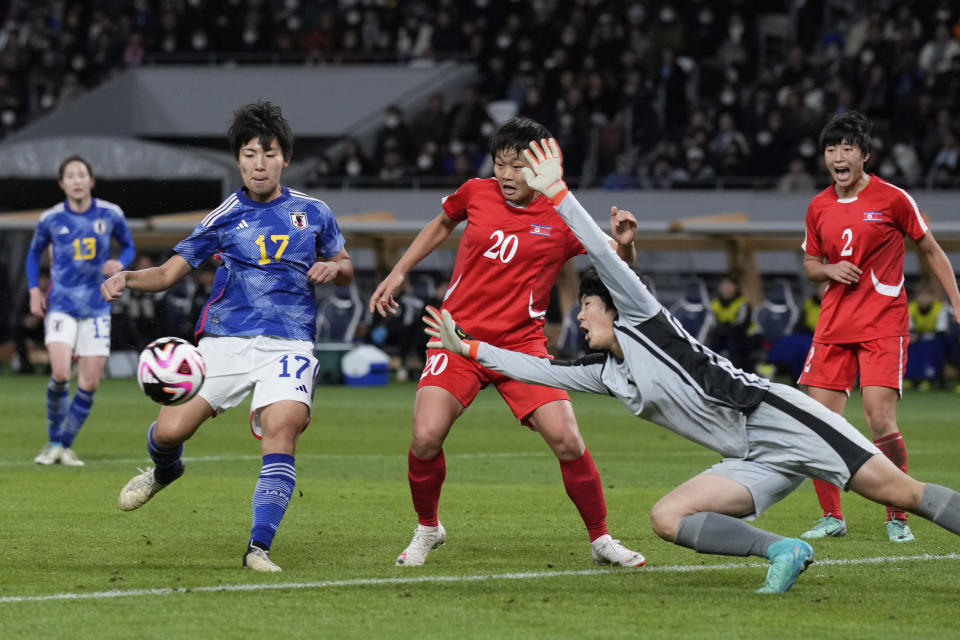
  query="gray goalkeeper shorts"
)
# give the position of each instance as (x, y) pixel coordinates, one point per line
(793, 437)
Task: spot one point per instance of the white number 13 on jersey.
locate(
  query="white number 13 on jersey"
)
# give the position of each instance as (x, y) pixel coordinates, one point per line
(504, 247)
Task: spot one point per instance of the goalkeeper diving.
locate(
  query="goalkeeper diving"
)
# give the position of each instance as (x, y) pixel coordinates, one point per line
(771, 436)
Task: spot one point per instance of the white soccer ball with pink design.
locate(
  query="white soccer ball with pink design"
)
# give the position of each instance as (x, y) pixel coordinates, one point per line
(170, 371)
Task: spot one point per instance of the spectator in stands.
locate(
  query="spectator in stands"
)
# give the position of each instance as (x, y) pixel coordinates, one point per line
(937, 54)
(394, 136)
(430, 124)
(945, 166)
(728, 137)
(353, 163)
(928, 335)
(695, 169)
(797, 178)
(731, 323)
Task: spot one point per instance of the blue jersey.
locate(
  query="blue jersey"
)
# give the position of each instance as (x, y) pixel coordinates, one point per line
(79, 245)
(267, 248)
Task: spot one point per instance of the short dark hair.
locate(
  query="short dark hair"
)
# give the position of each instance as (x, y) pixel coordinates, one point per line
(74, 158)
(262, 120)
(850, 127)
(592, 285)
(516, 134)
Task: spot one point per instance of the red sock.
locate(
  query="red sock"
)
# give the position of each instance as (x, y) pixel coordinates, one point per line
(426, 477)
(894, 448)
(829, 497)
(582, 482)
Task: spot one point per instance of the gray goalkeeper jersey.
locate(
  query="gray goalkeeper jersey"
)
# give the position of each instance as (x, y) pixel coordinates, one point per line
(666, 376)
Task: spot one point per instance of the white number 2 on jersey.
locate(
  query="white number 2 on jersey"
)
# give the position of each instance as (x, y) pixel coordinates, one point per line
(848, 236)
(503, 247)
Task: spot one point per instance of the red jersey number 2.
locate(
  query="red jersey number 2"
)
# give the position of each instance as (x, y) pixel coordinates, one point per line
(847, 236)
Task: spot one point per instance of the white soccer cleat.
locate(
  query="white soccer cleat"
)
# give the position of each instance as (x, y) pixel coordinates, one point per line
(139, 490)
(70, 459)
(50, 454)
(425, 540)
(606, 550)
(259, 560)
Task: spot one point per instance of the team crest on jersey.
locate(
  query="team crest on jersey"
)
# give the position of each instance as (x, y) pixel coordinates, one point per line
(99, 226)
(540, 230)
(298, 219)
(872, 216)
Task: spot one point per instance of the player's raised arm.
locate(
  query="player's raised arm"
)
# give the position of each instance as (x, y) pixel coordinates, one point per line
(623, 228)
(430, 237)
(629, 294)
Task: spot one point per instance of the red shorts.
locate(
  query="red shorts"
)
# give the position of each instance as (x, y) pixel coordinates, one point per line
(464, 378)
(879, 362)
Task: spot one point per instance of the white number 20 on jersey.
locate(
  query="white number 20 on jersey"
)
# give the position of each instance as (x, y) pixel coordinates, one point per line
(504, 247)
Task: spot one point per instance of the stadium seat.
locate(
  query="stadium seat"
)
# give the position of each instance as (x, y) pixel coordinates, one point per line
(693, 310)
(339, 314)
(776, 317)
(777, 314)
(571, 343)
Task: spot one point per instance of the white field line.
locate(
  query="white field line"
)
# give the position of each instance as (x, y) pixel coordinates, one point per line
(362, 582)
(338, 456)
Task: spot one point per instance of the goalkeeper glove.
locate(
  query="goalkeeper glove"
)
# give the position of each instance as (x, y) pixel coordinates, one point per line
(545, 173)
(445, 334)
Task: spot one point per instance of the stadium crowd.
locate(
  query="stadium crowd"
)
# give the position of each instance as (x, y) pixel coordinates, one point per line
(660, 94)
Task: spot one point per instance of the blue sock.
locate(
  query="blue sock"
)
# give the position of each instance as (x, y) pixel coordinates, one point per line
(167, 463)
(271, 497)
(79, 410)
(57, 396)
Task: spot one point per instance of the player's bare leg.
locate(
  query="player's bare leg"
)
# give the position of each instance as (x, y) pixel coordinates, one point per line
(832, 524)
(434, 412)
(704, 514)
(557, 425)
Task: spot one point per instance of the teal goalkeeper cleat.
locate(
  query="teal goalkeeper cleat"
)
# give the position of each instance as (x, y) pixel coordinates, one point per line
(899, 531)
(788, 559)
(826, 527)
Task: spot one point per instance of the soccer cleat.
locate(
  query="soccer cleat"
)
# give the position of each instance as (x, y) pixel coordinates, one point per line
(139, 490)
(606, 550)
(50, 454)
(789, 558)
(70, 459)
(899, 531)
(425, 540)
(826, 527)
(259, 560)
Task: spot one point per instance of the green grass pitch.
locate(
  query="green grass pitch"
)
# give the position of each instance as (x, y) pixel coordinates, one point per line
(517, 561)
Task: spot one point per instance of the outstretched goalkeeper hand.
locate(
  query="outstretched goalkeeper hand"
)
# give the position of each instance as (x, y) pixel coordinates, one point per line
(545, 173)
(445, 334)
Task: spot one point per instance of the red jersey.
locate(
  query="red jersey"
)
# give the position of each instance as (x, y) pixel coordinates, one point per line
(866, 230)
(507, 262)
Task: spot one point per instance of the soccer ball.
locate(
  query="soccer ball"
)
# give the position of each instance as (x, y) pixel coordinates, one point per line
(170, 371)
